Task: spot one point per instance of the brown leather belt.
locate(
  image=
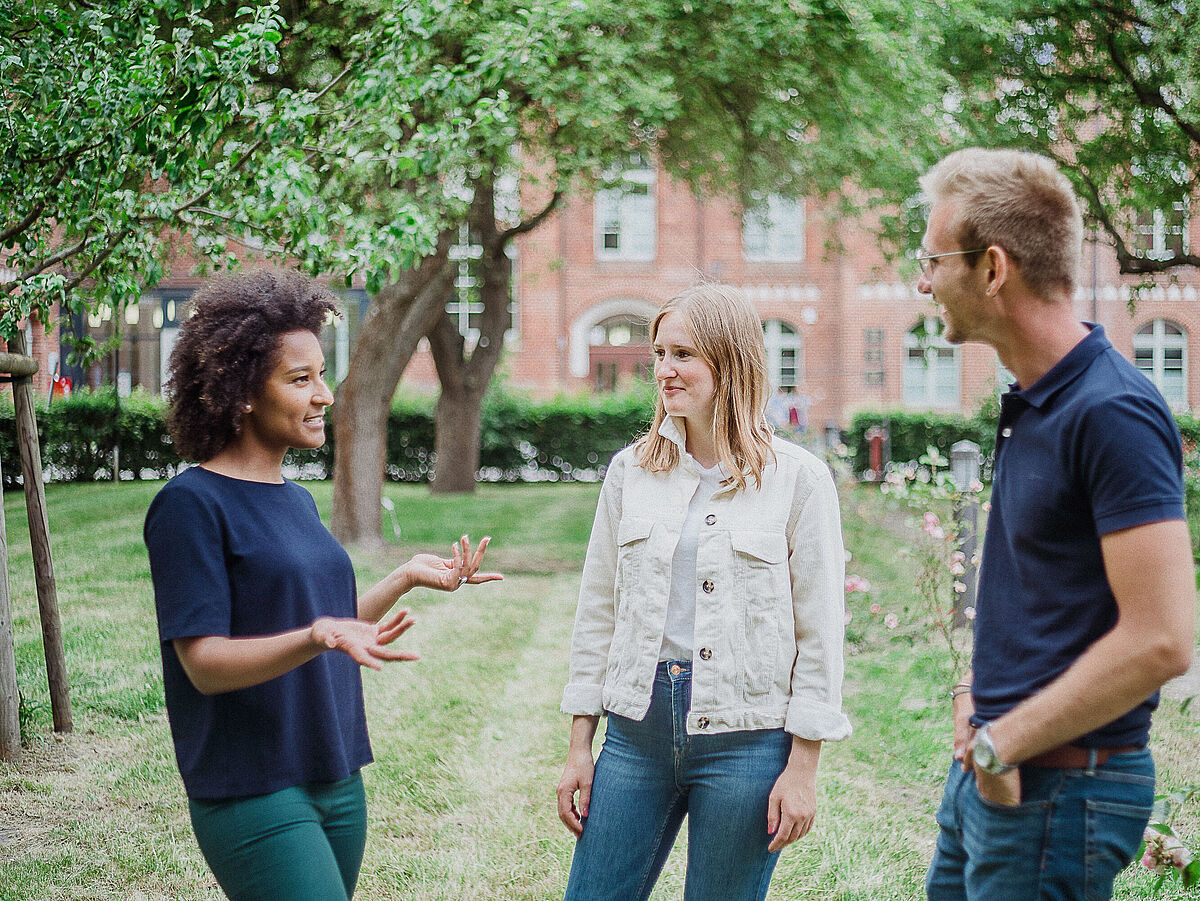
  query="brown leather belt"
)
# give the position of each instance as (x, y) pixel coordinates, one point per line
(1073, 757)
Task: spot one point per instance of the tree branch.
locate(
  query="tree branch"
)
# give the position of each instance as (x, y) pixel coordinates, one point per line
(530, 224)
(112, 245)
(1149, 95)
(65, 254)
(1129, 262)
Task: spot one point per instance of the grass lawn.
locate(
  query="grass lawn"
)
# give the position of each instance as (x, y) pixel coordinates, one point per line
(468, 742)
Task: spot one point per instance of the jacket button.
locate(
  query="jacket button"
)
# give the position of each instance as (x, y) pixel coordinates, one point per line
(702, 722)
(708, 586)
(710, 520)
(705, 653)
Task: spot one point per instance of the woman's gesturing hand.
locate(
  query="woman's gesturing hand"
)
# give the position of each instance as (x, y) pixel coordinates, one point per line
(365, 642)
(447, 574)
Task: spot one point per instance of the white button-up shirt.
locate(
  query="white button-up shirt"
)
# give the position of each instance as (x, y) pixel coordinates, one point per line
(770, 609)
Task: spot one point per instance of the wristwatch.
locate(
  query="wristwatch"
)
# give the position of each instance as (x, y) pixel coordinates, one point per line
(984, 754)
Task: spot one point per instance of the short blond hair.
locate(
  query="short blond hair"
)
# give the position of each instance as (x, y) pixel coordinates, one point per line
(1018, 200)
(728, 336)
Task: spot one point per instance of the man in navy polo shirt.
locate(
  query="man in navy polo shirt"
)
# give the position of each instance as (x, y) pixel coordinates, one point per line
(1086, 591)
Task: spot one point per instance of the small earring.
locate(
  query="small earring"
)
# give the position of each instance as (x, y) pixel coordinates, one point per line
(246, 408)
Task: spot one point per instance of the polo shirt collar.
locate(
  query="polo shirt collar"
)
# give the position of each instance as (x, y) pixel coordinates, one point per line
(1069, 368)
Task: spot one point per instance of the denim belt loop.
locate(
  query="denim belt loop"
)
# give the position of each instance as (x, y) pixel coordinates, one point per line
(1091, 764)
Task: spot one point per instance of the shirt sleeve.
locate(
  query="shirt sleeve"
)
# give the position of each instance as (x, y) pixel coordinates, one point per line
(595, 616)
(818, 573)
(1133, 463)
(187, 565)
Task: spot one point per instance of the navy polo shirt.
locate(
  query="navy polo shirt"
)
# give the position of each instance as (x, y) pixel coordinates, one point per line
(238, 559)
(1090, 448)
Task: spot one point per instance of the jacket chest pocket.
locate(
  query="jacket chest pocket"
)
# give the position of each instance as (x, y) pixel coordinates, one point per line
(633, 536)
(633, 539)
(764, 586)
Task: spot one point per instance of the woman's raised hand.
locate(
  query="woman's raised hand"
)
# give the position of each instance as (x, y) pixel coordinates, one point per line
(447, 574)
(366, 643)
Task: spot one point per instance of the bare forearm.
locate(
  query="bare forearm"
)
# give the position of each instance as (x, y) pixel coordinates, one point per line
(583, 732)
(374, 604)
(1150, 571)
(1111, 678)
(216, 664)
(804, 757)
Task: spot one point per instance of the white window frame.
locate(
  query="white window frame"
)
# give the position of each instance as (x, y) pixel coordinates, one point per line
(1158, 342)
(780, 336)
(627, 212)
(773, 230)
(466, 256)
(923, 393)
(1164, 226)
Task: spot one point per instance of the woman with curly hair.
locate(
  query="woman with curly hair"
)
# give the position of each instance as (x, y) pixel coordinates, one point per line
(262, 629)
(709, 628)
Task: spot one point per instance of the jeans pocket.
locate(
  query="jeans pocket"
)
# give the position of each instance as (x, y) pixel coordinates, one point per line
(1113, 833)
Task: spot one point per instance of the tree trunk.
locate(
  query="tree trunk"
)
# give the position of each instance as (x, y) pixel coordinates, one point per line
(396, 320)
(457, 421)
(464, 379)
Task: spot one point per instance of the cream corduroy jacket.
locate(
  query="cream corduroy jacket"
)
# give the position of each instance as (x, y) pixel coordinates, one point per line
(769, 603)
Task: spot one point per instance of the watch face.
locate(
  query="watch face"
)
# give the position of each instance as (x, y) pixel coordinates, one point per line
(985, 758)
(985, 754)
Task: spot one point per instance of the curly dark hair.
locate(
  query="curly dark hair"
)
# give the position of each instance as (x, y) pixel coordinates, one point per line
(226, 349)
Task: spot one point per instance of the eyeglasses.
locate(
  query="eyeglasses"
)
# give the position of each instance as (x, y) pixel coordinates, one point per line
(923, 258)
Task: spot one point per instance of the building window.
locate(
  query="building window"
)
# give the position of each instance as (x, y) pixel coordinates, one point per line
(620, 351)
(626, 213)
(873, 357)
(1163, 233)
(1160, 351)
(465, 306)
(338, 336)
(931, 367)
(773, 230)
(785, 354)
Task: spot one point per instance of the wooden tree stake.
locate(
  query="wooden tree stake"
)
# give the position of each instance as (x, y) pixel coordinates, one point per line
(39, 539)
(10, 697)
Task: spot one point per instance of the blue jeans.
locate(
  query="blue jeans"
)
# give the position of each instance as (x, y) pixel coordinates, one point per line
(649, 775)
(303, 843)
(1073, 831)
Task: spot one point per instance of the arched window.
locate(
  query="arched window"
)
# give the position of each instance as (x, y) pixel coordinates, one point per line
(931, 367)
(620, 350)
(1160, 351)
(785, 354)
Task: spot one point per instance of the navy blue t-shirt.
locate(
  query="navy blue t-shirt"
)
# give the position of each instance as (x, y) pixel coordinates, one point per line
(1088, 449)
(238, 558)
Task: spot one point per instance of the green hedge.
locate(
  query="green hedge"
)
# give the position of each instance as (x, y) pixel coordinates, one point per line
(910, 433)
(562, 439)
(76, 437)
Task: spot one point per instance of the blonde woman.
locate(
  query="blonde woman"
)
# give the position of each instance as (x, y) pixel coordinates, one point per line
(709, 628)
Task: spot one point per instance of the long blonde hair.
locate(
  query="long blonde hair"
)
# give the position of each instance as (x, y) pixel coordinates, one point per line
(728, 336)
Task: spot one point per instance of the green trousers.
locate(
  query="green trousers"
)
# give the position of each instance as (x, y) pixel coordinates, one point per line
(300, 844)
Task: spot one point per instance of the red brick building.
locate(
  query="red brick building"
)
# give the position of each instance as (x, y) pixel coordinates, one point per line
(845, 329)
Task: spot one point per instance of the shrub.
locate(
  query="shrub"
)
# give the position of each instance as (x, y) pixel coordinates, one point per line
(562, 439)
(911, 433)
